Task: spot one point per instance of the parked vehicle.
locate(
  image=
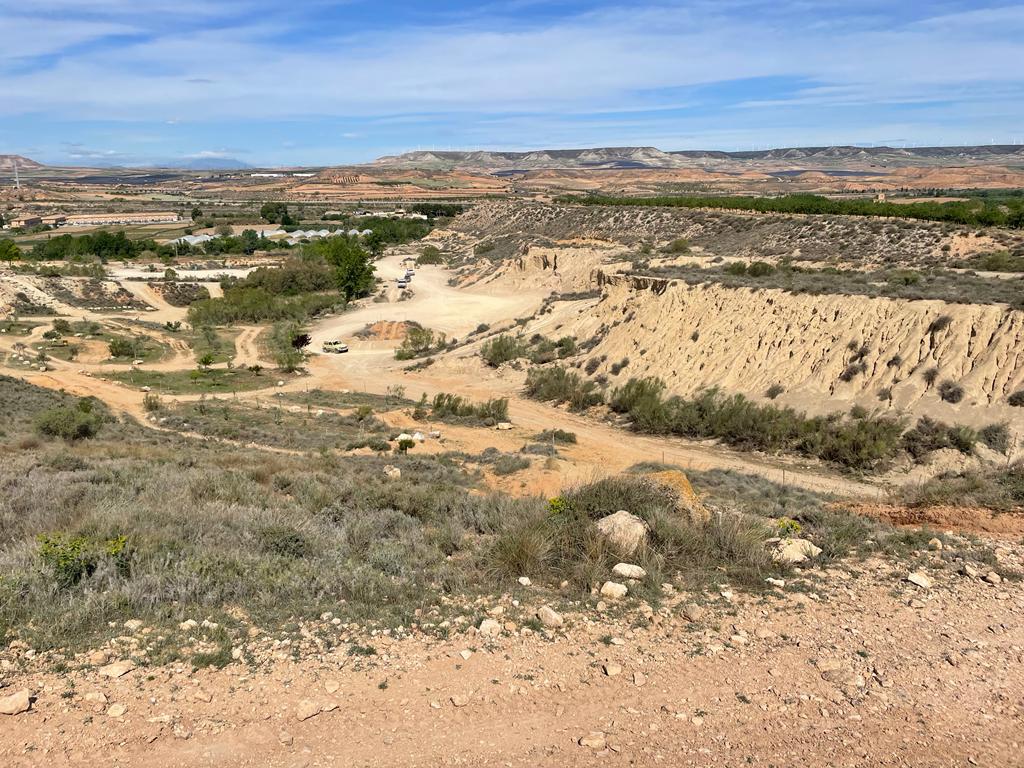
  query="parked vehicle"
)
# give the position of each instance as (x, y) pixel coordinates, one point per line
(402, 283)
(335, 347)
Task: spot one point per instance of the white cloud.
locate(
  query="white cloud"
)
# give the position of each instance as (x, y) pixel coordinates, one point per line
(571, 74)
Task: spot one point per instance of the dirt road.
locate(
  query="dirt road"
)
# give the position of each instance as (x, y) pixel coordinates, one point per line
(370, 366)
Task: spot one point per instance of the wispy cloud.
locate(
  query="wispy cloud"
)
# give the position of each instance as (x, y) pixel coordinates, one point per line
(667, 69)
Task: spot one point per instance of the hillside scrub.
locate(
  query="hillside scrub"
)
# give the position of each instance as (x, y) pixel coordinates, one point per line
(856, 442)
(561, 385)
(458, 410)
(537, 349)
(1001, 490)
(257, 305)
(899, 283)
(977, 212)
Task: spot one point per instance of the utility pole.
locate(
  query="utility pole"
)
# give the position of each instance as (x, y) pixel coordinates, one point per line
(17, 181)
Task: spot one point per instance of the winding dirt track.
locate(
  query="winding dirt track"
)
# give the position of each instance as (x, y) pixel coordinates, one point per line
(602, 449)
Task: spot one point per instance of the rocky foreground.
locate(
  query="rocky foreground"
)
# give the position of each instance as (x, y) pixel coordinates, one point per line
(865, 664)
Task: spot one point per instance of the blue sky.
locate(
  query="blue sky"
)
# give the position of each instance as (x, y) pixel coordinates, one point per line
(312, 82)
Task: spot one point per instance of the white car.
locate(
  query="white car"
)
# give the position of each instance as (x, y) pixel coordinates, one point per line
(335, 347)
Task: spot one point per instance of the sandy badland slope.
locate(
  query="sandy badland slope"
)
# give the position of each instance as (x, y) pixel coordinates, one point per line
(745, 340)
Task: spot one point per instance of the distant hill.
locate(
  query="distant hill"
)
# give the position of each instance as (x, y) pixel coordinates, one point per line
(651, 157)
(24, 164)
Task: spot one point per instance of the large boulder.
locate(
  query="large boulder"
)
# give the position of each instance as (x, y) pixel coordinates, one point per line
(16, 703)
(624, 531)
(688, 502)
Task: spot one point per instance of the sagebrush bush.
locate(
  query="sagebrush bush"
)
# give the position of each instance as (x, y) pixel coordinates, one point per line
(859, 441)
(455, 408)
(561, 385)
(951, 392)
(70, 423)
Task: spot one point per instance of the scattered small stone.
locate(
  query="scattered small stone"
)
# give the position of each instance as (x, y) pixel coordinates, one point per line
(465, 654)
(794, 551)
(286, 738)
(611, 669)
(639, 679)
(307, 709)
(594, 740)
(623, 530)
(993, 578)
(970, 571)
(96, 697)
(629, 571)
(459, 701)
(935, 544)
(203, 695)
(920, 580)
(16, 703)
(524, 581)
(489, 628)
(780, 583)
(694, 613)
(332, 686)
(116, 710)
(613, 590)
(549, 617)
(392, 472)
(117, 669)
(133, 625)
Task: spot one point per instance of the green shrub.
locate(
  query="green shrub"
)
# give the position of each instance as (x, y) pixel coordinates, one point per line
(996, 437)
(285, 541)
(73, 558)
(677, 246)
(430, 255)
(774, 391)
(502, 349)
(930, 435)
(561, 385)
(508, 465)
(858, 442)
(71, 424)
(951, 392)
(1016, 399)
(454, 408)
(556, 436)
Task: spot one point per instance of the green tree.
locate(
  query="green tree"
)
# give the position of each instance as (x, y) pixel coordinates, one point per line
(286, 343)
(275, 213)
(197, 213)
(9, 251)
(351, 263)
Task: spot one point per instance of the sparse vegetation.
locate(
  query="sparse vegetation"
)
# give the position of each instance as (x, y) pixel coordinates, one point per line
(561, 385)
(858, 441)
(459, 410)
(951, 392)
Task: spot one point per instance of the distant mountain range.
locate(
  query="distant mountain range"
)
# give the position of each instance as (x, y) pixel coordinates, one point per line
(188, 164)
(652, 158)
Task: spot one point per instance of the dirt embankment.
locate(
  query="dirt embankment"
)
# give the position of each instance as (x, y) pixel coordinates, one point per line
(828, 352)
